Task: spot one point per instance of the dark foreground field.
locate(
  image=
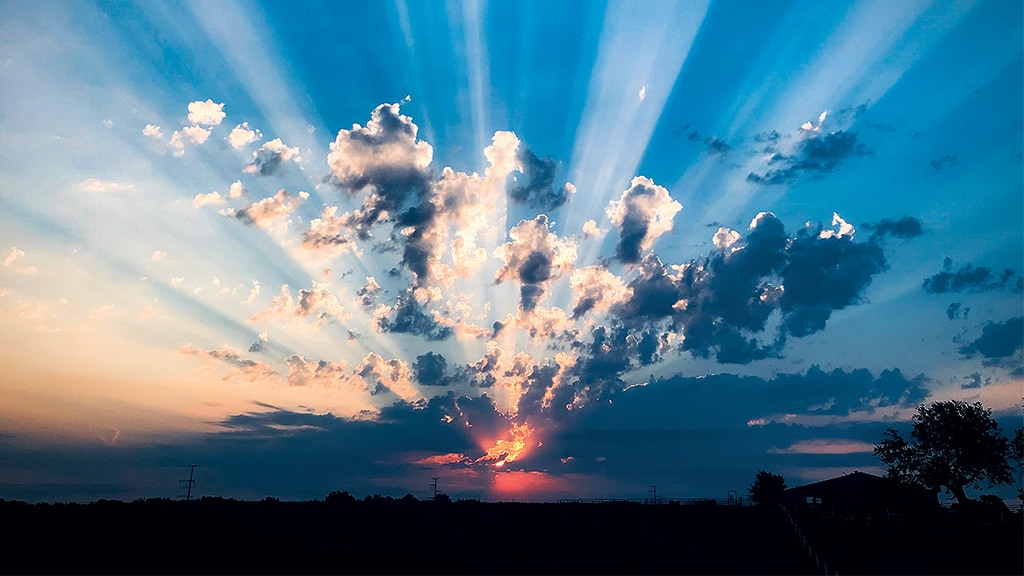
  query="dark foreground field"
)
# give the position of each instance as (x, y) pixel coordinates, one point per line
(214, 536)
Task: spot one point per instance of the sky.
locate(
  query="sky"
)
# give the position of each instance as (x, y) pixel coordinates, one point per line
(531, 250)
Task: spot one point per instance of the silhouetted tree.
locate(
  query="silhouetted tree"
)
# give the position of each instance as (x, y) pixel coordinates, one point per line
(767, 488)
(1017, 457)
(953, 445)
(339, 498)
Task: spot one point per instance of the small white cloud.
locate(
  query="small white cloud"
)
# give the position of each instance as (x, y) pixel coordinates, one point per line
(100, 312)
(845, 228)
(201, 200)
(158, 255)
(243, 135)
(108, 123)
(13, 256)
(207, 113)
(725, 237)
(591, 229)
(152, 131)
(642, 95)
(177, 280)
(96, 185)
(236, 190)
(253, 293)
(188, 135)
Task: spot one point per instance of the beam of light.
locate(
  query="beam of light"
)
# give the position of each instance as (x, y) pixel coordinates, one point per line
(477, 69)
(869, 51)
(243, 37)
(642, 48)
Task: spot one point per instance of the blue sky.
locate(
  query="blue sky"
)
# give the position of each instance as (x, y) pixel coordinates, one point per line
(535, 251)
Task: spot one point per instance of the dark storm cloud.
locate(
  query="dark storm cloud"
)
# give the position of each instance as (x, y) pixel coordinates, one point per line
(716, 145)
(1000, 344)
(536, 189)
(955, 310)
(906, 227)
(408, 317)
(840, 392)
(431, 369)
(721, 302)
(417, 250)
(975, 381)
(814, 155)
(823, 275)
(947, 161)
(970, 279)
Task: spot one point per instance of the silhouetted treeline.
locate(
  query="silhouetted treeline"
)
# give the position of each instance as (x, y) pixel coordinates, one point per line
(383, 535)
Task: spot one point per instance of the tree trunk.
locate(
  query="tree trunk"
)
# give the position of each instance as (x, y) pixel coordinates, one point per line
(960, 494)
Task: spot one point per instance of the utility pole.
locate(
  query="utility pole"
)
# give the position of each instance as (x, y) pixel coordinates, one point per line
(434, 486)
(654, 490)
(190, 482)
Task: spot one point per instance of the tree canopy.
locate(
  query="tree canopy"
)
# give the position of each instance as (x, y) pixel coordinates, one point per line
(767, 487)
(953, 445)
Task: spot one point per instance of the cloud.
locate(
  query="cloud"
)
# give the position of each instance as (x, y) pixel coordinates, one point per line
(245, 369)
(260, 344)
(318, 303)
(1000, 344)
(158, 255)
(409, 316)
(242, 135)
(13, 255)
(591, 229)
(536, 189)
(268, 211)
(384, 160)
(254, 292)
(236, 189)
(716, 145)
(327, 233)
(268, 158)
(975, 381)
(826, 446)
(96, 185)
(388, 375)
(323, 374)
(211, 198)
(368, 293)
(206, 113)
(721, 302)
(970, 279)
(152, 131)
(595, 289)
(943, 162)
(906, 227)
(823, 275)
(643, 213)
(431, 369)
(534, 256)
(188, 135)
(815, 153)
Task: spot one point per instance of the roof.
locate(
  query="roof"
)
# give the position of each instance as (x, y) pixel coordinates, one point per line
(861, 490)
